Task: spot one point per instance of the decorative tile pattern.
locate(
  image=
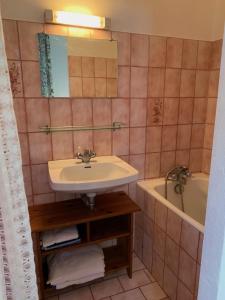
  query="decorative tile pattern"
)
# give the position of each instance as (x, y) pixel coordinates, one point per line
(155, 111)
(16, 78)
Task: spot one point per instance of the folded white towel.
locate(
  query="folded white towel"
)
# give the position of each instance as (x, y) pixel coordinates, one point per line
(77, 266)
(107, 244)
(56, 236)
(79, 281)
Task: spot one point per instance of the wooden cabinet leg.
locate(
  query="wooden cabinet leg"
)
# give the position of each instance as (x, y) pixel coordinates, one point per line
(39, 268)
(130, 247)
(129, 272)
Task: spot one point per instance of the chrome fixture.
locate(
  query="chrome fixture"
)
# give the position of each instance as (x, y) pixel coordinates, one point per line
(86, 156)
(179, 175)
(89, 200)
(115, 125)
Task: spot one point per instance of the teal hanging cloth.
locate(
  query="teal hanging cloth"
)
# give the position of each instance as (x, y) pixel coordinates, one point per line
(45, 65)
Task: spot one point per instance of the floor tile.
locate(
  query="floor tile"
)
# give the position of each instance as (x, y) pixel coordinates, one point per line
(106, 288)
(151, 278)
(153, 292)
(130, 295)
(118, 286)
(115, 274)
(137, 264)
(138, 279)
(79, 294)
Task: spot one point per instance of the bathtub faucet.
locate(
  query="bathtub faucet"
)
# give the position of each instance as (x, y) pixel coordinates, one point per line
(179, 174)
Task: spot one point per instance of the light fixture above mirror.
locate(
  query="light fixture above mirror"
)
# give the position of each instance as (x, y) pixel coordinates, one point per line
(76, 19)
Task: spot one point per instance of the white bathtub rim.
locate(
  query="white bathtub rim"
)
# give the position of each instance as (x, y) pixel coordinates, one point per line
(148, 186)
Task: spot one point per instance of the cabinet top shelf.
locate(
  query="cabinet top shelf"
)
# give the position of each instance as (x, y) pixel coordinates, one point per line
(66, 213)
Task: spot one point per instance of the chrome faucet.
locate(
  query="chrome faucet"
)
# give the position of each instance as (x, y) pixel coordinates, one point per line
(86, 156)
(179, 174)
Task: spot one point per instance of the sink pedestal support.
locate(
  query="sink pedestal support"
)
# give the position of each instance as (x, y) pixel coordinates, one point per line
(89, 200)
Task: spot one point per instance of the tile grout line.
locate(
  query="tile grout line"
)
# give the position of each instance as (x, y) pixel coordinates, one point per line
(25, 108)
(51, 138)
(143, 294)
(196, 267)
(118, 278)
(180, 99)
(178, 267)
(124, 65)
(163, 102)
(164, 261)
(182, 53)
(90, 289)
(129, 103)
(193, 105)
(146, 104)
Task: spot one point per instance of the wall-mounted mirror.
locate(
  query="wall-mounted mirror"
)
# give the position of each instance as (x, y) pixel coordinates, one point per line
(77, 67)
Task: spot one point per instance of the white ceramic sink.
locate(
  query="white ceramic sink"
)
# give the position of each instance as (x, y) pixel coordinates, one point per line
(102, 173)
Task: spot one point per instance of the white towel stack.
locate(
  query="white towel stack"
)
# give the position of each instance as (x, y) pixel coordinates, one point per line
(79, 266)
(52, 238)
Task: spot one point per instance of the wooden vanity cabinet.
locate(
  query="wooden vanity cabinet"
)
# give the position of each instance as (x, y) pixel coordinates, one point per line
(111, 219)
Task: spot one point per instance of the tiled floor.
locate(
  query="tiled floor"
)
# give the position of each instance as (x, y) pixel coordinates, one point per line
(119, 286)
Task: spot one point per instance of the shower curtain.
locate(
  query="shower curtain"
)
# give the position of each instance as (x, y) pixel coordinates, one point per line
(17, 270)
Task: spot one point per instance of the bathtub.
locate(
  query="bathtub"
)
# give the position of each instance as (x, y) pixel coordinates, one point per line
(169, 240)
(194, 197)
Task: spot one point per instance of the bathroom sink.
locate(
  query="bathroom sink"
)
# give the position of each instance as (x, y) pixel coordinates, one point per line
(100, 174)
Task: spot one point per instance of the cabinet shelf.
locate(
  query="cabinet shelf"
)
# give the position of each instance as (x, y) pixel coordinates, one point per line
(82, 244)
(115, 259)
(105, 228)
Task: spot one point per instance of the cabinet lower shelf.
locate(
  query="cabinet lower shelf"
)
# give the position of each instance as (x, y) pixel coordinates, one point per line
(115, 259)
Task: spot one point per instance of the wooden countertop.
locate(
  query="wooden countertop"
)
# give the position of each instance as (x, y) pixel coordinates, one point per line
(67, 213)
